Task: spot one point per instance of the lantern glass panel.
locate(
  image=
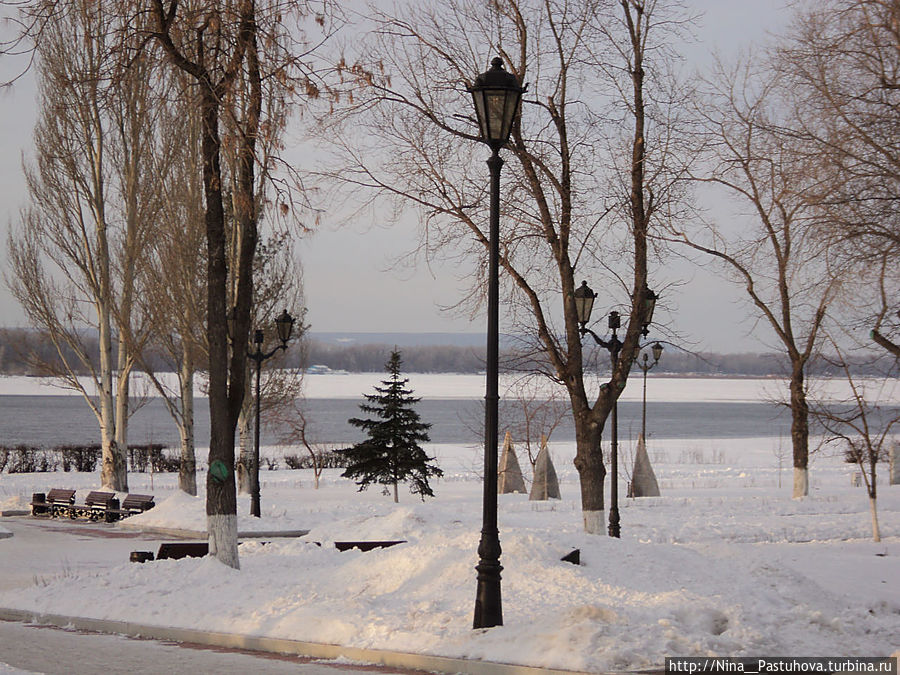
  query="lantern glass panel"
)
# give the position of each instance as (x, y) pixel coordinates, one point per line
(284, 324)
(584, 302)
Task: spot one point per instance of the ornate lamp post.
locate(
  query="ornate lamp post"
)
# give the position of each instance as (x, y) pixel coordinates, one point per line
(497, 95)
(584, 303)
(284, 326)
(657, 350)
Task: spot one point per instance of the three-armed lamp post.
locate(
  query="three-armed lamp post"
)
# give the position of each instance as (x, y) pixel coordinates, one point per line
(284, 326)
(646, 366)
(497, 95)
(584, 303)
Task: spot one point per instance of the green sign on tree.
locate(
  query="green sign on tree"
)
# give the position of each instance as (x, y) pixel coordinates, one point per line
(391, 453)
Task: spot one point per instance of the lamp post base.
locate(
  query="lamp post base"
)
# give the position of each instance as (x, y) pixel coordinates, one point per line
(488, 604)
(614, 529)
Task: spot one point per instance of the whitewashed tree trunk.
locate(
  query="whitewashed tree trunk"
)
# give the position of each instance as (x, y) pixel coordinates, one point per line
(801, 483)
(223, 538)
(594, 522)
(876, 530)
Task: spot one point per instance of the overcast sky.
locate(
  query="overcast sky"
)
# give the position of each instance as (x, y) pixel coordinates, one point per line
(349, 279)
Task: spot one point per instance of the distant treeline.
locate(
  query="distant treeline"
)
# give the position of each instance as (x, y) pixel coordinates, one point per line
(16, 344)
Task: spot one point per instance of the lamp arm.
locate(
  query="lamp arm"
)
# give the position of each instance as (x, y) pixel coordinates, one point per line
(603, 343)
(259, 356)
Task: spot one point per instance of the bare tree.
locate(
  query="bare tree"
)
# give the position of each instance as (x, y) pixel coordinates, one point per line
(786, 270)
(840, 60)
(171, 288)
(864, 429)
(74, 255)
(292, 417)
(532, 413)
(229, 49)
(595, 164)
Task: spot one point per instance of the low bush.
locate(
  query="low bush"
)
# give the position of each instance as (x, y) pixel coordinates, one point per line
(79, 457)
(152, 457)
(327, 460)
(28, 459)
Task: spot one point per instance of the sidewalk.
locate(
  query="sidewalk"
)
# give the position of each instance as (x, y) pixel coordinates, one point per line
(419, 662)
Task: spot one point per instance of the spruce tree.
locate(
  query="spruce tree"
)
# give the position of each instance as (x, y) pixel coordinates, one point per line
(391, 453)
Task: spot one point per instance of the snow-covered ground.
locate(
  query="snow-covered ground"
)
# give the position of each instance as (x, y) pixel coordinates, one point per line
(724, 563)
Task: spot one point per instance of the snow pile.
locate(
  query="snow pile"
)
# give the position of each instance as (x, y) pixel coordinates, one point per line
(185, 513)
(16, 502)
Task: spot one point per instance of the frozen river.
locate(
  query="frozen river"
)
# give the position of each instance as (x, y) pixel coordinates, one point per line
(36, 414)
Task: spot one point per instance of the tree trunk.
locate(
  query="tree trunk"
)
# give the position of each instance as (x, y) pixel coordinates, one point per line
(591, 471)
(894, 466)
(876, 531)
(396, 494)
(123, 391)
(799, 431)
(113, 473)
(187, 471)
(245, 456)
(221, 497)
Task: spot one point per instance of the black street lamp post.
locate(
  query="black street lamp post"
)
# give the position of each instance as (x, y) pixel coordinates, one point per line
(657, 350)
(584, 303)
(284, 325)
(497, 95)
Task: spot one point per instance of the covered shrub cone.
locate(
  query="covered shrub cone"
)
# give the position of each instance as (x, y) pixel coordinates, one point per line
(509, 478)
(643, 480)
(545, 484)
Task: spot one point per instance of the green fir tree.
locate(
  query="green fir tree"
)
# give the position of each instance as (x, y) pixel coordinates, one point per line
(391, 454)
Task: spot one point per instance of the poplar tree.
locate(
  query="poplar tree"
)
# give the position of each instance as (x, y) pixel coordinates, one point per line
(391, 454)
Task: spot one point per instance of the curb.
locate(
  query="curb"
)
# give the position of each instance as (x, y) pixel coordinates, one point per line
(424, 662)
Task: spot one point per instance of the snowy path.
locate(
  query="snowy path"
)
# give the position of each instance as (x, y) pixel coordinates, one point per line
(53, 651)
(43, 550)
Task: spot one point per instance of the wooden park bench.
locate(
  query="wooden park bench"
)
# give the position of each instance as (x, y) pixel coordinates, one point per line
(366, 545)
(173, 551)
(132, 504)
(55, 503)
(197, 549)
(136, 504)
(100, 505)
